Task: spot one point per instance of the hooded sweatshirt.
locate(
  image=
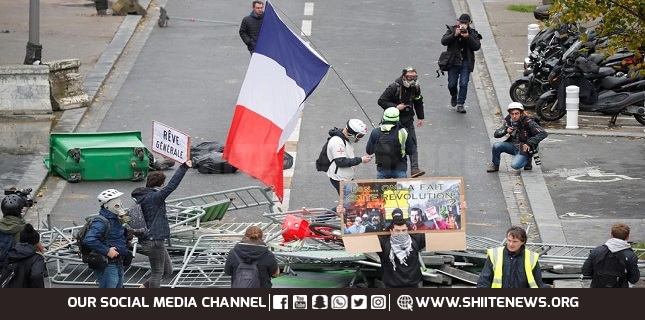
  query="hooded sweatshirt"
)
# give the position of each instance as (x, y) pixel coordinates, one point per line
(614, 245)
(153, 205)
(251, 251)
(30, 266)
(12, 225)
(341, 150)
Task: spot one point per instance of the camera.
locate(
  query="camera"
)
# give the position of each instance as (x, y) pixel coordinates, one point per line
(536, 158)
(463, 30)
(23, 193)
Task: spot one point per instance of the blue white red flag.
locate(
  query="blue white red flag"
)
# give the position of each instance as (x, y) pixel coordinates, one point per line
(282, 73)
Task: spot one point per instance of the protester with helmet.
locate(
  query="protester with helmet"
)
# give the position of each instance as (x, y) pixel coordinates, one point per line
(114, 244)
(12, 221)
(404, 94)
(390, 143)
(524, 136)
(340, 150)
(152, 199)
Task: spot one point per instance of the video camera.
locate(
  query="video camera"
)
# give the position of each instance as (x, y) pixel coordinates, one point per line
(25, 194)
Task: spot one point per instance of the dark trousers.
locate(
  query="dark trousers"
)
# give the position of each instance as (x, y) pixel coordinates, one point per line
(160, 264)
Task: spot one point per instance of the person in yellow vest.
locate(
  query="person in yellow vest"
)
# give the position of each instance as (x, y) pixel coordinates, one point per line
(512, 266)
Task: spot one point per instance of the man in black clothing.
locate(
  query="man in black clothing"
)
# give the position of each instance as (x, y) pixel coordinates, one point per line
(465, 40)
(400, 266)
(250, 27)
(405, 95)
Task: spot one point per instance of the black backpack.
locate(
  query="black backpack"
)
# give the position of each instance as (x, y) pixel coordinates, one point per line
(388, 148)
(13, 275)
(137, 224)
(83, 250)
(246, 275)
(610, 268)
(6, 243)
(323, 163)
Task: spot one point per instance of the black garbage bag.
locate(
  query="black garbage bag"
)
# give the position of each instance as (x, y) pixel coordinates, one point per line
(288, 161)
(206, 147)
(212, 162)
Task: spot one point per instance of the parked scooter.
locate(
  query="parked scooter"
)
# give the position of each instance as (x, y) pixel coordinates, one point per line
(601, 89)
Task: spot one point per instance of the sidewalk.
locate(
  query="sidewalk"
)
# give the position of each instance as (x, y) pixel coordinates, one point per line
(69, 29)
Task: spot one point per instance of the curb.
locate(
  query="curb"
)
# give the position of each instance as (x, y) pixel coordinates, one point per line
(37, 173)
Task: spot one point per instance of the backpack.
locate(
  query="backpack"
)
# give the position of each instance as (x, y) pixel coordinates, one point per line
(6, 243)
(246, 275)
(609, 269)
(83, 250)
(137, 224)
(388, 148)
(323, 163)
(11, 276)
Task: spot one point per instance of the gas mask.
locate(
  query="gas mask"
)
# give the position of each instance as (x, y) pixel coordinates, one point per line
(410, 83)
(115, 207)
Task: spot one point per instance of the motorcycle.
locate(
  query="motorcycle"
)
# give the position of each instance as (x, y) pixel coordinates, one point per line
(602, 90)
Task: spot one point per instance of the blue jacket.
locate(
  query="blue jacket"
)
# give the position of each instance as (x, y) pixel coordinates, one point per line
(116, 237)
(153, 204)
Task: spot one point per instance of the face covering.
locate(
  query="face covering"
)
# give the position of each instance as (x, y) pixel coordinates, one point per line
(115, 207)
(401, 244)
(410, 83)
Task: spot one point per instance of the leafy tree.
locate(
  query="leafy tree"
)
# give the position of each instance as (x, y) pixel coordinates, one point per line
(621, 21)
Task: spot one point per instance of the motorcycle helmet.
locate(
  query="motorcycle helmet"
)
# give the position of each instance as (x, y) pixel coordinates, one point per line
(356, 128)
(12, 205)
(391, 115)
(515, 105)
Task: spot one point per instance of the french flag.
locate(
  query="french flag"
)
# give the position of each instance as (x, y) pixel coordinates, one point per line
(282, 73)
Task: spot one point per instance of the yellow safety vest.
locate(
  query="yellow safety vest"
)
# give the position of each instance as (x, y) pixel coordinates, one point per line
(496, 256)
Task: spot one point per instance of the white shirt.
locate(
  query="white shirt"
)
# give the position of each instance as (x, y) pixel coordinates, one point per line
(336, 148)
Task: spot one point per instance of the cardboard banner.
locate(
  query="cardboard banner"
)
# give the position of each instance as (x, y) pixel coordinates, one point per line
(430, 205)
(170, 142)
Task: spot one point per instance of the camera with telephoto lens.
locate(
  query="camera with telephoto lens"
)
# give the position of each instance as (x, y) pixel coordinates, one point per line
(25, 194)
(536, 157)
(463, 30)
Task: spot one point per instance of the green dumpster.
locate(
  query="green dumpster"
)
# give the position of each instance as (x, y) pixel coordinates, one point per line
(98, 156)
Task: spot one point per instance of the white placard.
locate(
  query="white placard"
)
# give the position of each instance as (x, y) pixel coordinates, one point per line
(170, 142)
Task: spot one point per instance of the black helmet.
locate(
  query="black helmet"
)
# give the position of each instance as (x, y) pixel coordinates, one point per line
(12, 205)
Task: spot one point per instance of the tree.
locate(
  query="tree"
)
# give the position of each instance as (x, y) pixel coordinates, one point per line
(621, 21)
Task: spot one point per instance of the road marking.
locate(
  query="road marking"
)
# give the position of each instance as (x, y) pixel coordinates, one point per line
(576, 215)
(306, 28)
(601, 177)
(309, 9)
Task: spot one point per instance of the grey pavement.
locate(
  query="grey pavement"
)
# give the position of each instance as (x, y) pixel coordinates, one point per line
(67, 24)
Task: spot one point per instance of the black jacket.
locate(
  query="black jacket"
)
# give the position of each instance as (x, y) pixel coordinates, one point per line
(250, 29)
(411, 97)
(513, 272)
(467, 46)
(528, 131)
(30, 266)
(614, 245)
(153, 205)
(405, 276)
(251, 252)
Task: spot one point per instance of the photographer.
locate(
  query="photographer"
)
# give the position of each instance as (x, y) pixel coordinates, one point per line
(12, 222)
(404, 94)
(524, 136)
(464, 40)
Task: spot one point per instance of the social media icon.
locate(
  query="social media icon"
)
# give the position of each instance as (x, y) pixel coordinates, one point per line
(339, 302)
(359, 301)
(319, 302)
(300, 302)
(280, 301)
(378, 302)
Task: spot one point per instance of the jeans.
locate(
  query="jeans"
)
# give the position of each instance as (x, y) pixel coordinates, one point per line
(160, 264)
(414, 157)
(111, 276)
(394, 173)
(459, 74)
(520, 159)
(336, 185)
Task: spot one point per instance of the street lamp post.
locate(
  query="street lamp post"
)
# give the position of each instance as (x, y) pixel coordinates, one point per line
(34, 48)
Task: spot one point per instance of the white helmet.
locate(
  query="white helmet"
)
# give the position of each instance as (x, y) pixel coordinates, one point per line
(109, 194)
(356, 127)
(515, 105)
